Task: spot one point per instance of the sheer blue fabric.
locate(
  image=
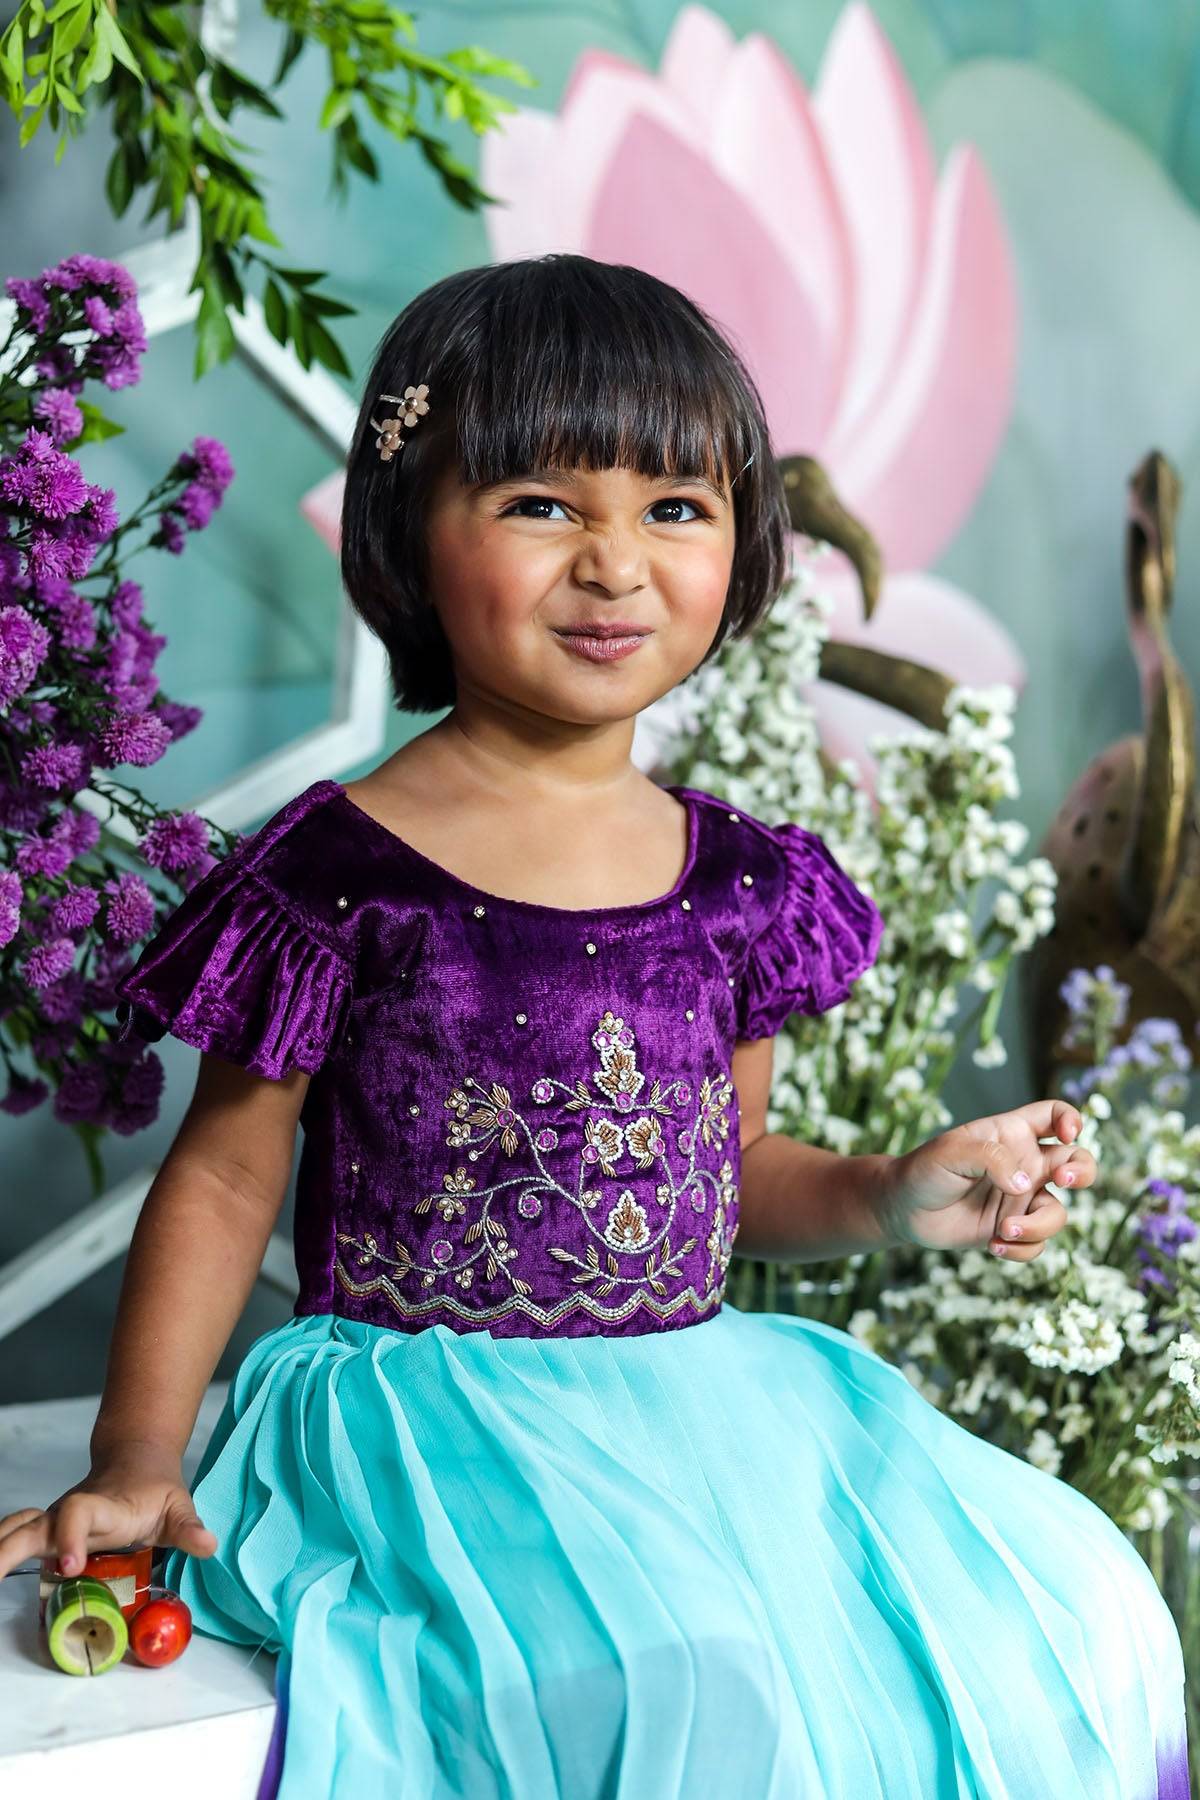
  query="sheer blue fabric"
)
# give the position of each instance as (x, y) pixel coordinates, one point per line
(745, 1561)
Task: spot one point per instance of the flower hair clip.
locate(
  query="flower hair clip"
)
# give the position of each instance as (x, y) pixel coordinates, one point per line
(412, 404)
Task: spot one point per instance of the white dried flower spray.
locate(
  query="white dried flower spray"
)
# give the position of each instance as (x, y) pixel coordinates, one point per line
(1081, 1360)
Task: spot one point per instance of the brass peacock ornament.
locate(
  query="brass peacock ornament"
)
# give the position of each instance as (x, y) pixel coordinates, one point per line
(1125, 843)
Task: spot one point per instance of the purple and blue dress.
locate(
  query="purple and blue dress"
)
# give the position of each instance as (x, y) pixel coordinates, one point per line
(525, 1510)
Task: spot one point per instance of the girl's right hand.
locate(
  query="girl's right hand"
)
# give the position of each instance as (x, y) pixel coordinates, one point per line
(128, 1497)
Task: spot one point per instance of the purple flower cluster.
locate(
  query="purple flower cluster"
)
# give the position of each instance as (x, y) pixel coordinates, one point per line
(100, 297)
(209, 471)
(1160, 1231)
(79, 695)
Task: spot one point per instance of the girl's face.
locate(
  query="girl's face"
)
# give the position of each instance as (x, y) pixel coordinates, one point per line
(515, 566)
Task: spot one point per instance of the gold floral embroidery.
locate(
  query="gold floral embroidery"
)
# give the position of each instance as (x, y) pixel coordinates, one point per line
(480, 1117)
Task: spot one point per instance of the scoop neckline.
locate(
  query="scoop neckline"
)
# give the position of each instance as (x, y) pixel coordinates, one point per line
(682, 793)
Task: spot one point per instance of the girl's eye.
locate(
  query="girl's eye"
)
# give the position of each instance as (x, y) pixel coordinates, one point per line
(545, 500)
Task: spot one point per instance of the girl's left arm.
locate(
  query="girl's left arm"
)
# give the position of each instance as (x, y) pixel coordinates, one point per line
(981, 1185)
(799, 1203)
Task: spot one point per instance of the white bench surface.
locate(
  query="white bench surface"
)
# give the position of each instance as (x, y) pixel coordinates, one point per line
(198, 1727)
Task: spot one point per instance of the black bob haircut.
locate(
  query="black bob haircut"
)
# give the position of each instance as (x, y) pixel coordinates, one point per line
(549, 361)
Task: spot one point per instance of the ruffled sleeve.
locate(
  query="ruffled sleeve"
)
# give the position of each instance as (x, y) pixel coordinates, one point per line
(232, 971)
(824, 933)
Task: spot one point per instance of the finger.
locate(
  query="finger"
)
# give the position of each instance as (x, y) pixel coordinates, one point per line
(1073, 1168)
(22, 1515)
(33, 1538)
(1042, 1220)
(1014, 1172)
(186, 1529)
(87, 1522)
(1051, 1118)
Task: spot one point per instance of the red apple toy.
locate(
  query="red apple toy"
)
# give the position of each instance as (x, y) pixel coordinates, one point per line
(160, 1630)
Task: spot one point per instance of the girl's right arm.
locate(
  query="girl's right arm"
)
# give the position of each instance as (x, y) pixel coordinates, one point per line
(194, 1257)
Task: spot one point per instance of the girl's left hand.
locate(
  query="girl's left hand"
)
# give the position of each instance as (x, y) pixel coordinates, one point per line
(963, 1190)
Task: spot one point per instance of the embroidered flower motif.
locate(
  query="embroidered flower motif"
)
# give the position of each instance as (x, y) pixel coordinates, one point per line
(627, 1228)
(714, 1098)
(449, 1204)
(645, 1140)
(602, 1143)
(483, 1114)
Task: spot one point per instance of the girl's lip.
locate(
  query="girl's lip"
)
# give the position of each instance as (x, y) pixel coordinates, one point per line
(601, 649)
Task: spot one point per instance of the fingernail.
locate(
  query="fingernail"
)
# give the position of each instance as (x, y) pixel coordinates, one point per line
(997, 1249)
(1066, 1178)
(1012, 1229)
(1020, 1179)
(70, 1564)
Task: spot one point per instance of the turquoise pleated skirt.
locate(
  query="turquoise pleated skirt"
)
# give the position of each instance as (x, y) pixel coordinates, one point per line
(745, 1560)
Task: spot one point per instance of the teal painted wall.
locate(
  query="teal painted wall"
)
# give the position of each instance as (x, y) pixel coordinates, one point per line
(1086, 118)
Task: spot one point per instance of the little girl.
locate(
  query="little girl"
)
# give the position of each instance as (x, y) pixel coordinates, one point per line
(525, 1511)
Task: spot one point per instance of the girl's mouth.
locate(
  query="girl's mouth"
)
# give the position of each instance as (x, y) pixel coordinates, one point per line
(600, 649)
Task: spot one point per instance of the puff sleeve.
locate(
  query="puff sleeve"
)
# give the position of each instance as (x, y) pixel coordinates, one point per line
(234, 971)
(824, 933)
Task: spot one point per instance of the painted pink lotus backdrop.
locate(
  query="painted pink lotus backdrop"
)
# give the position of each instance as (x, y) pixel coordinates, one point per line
(873, 300)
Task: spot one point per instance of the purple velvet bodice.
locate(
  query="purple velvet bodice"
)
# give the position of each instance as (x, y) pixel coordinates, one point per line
(521, 1118)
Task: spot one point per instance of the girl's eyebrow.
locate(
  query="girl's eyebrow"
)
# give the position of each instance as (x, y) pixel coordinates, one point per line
(568, 478)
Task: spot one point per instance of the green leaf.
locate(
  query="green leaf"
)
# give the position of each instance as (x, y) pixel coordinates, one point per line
(360, 155)
(160, 68)
(96, 66)
(67, 97)
(228, 280)
(231, 88)
(256, 224)
(95, 426)
(162, 24)
(66, 39)
(293, 44)
(107, 27)
(326, 307)
(118, 181)
(302, 277)
(16, 44)
(338, 105)
(472, 59)
(63, 8)
(215, 341)
(325, 348)
(275, 312)
(299, 334)
(30, 126)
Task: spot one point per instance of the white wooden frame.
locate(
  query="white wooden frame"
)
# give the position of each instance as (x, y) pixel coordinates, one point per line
(355, 729)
